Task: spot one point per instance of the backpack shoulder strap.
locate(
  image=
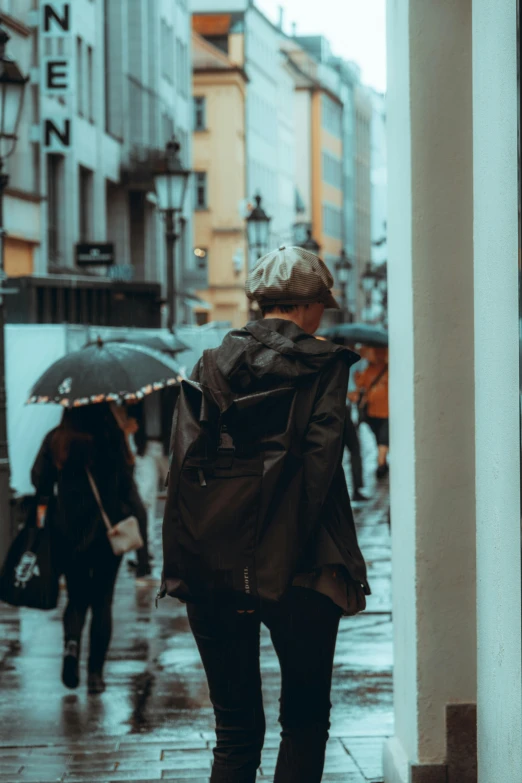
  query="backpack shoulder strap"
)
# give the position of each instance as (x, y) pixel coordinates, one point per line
(94, 488)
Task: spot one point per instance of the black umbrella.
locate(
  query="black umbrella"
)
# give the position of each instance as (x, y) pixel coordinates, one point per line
(165, 343)
(354, 334)
(105, 372)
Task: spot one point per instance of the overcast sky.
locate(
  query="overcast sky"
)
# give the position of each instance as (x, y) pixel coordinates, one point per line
(356, 29)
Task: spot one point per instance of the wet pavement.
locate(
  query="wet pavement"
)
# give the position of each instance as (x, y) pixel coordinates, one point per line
(154, 721)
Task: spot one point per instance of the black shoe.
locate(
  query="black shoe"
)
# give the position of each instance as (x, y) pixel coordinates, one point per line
(142, 572)
(95, 683)
(382, 471)
(70, 675)
(358, 497)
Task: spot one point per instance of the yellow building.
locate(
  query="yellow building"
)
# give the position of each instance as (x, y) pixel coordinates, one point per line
(219, 89)
(327, 173)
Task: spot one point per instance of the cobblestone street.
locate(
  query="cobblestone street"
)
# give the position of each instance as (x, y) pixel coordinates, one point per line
(154, 721)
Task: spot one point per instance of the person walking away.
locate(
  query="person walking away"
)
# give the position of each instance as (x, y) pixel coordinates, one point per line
(353, 444)
(88, 439)
(151, 453)
(258, 526)
(373, 403)
(127, 417)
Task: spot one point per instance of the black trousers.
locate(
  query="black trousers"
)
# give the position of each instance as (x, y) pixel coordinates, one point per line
(90, 577)
(351, 441)
(303, 627)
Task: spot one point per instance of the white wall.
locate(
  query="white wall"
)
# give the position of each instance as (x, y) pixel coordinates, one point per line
(432, 378)
(497, 399)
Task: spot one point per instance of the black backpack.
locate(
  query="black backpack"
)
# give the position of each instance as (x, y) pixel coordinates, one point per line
(235, 473)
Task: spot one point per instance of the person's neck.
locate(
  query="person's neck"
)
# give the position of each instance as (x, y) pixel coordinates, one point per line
(287, 317)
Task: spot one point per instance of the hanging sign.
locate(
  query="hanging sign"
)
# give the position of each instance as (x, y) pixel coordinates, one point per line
(57, 74)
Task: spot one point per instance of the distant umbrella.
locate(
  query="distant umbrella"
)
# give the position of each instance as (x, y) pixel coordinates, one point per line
(354, 334)
(165, 343)
(105, 372)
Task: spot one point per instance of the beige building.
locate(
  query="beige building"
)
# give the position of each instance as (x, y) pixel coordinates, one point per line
(219, 87)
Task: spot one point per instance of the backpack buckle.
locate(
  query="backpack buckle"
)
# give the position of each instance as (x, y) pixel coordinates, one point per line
(226, 449)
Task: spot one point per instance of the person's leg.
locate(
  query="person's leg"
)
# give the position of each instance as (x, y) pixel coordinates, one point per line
(105, 567)
(380, 430)
(383, 442)
(304, 628)
(78, 582)
(352, 443)
(228, 643)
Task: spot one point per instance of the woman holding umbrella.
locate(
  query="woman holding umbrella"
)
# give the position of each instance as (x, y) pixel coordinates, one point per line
(84, 475)
(88, 441)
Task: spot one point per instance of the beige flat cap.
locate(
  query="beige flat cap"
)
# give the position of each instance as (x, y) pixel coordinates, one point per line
(290, 276)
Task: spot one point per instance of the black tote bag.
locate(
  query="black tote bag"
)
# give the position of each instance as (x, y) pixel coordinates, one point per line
(29, 576)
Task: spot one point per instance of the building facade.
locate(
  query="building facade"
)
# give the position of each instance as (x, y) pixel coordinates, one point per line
(110, 85)
(219, 89)
(254, 44)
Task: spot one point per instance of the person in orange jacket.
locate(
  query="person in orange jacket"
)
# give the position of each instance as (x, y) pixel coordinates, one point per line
(372, 386)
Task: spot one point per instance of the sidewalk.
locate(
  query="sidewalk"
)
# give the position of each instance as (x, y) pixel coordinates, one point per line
(154, 721)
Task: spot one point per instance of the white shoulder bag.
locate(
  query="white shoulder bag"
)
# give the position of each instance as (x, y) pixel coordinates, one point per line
(123, 537)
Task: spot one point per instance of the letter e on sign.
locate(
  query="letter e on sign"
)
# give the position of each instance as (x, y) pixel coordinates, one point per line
(57, 75)
(56, 18)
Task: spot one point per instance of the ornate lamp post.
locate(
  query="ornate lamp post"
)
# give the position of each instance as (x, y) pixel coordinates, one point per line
(375, 278)
(368, 284)
(344, 267)
(258, 227)
(381, 283)
(12, 88)
(170, 181)
(311, 244)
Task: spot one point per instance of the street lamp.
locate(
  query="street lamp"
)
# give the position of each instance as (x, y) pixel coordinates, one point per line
(344, 267)
(258, 226)
(368, 283)
(170, 182)
(310, 244)
(12, 88)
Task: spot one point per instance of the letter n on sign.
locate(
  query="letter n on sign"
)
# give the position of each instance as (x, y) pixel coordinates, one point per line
(56, 18)
(57, 134)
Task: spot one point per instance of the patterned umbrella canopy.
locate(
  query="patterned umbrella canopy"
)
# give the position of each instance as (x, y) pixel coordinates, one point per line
(165, 343)
(104, 372)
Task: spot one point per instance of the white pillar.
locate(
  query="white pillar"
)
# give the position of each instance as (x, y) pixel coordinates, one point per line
(497, 397)
(430, 233)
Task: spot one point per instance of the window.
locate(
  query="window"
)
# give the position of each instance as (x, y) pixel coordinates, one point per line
(54, 204)
(332, 119)
(332, 221)
(86, 205)
(90, 84)
(200, 113)
(167, 51)
(201, 189)
(332, 170)
(79, 76)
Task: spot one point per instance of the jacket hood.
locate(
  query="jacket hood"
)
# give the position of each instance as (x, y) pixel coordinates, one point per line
(273, 351)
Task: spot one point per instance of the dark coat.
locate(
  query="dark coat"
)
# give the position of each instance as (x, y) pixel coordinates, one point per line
(307, 517)
(73, 510)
